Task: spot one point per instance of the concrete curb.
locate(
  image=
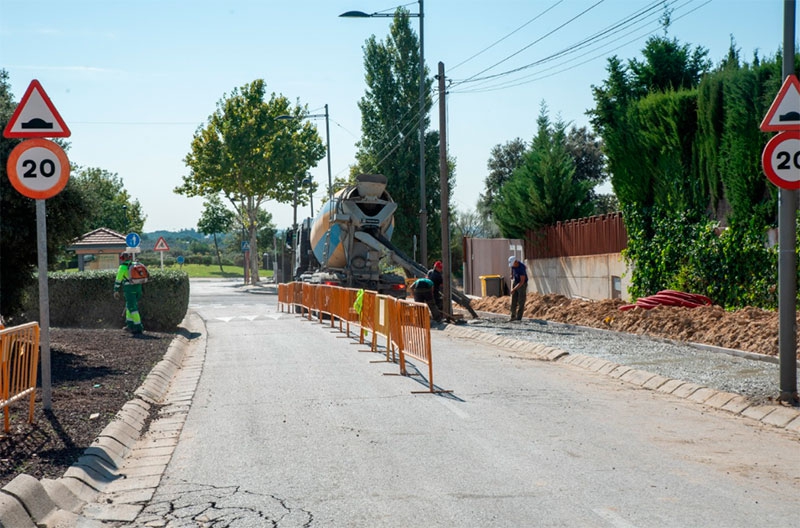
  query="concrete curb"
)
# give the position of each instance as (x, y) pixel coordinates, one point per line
(780, 416)
(28, 502)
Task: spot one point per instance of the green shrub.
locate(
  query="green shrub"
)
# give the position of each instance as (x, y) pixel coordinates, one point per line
(85, 300)
(673, 250)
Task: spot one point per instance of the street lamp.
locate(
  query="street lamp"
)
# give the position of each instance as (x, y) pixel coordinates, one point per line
(423, 211)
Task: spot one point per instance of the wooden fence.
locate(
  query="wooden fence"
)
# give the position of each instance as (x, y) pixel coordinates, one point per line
(594, 235)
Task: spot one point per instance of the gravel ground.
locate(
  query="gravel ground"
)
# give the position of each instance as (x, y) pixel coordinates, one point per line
(756, 379)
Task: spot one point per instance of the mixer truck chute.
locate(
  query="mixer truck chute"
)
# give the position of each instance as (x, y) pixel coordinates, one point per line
(347, 240)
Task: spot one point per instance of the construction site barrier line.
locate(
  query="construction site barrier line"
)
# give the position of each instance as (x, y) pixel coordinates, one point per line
(405, 325)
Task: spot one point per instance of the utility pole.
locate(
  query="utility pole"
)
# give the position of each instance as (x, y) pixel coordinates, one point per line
(444, 191)
(787, 259)
(423, 208)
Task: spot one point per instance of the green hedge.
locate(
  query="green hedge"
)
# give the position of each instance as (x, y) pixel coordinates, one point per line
(85, 300)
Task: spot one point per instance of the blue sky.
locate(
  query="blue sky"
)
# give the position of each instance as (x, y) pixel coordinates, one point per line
(134, 80)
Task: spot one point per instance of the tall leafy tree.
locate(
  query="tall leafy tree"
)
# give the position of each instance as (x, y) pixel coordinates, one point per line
(731, 102)
(645, 114)
(504, 159)
(266, 232)
(215, 219)
(250, 156)
(587, 153)
(390, 121)
(108, 202)
(667, 65)
(544, 190)
(18, 248)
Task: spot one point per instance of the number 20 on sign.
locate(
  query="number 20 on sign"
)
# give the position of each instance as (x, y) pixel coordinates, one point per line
(781, 160)
(38, 168)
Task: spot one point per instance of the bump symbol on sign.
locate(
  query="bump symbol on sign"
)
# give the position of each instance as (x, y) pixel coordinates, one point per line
(35, 116)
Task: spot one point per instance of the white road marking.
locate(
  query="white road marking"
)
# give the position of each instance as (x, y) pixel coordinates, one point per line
(613, 518)
(251, 318)
(454, 408)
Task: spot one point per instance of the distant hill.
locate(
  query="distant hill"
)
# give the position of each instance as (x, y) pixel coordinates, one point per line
(174, 239)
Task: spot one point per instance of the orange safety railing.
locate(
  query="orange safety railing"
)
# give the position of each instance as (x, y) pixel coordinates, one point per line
(382, 323)
(325, 302)
(346, 312)
(19, 358)
(413, 332)
(367, 319)
(295, 295)
(308, 298)
(283, 297)
(405, 325)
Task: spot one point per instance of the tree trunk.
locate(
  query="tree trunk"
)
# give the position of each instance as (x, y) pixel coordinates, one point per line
(219, 259)
(254, 278)
(252, 228)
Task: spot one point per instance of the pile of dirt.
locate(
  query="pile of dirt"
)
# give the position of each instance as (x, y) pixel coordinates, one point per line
(750, 329)
(93, 374)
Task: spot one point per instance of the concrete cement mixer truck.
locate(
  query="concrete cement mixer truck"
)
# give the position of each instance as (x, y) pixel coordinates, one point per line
(345, 243)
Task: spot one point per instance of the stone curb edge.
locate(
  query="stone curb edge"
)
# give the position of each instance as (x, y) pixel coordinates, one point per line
(26, 502)
(775, 415)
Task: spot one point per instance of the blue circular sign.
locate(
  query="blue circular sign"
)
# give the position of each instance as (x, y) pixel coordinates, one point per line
(132, 240)
(180, 259)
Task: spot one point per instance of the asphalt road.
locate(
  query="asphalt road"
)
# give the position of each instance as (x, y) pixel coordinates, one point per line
(292, 424)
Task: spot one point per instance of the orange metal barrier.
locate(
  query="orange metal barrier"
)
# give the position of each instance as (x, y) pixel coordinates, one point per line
(382, 323)
(19, 358)
(345, 311)
(283, 297)
(325, 302)
(367, 318)
(412, 329)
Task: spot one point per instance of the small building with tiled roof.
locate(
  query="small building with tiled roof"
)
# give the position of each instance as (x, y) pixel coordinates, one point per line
(102, 246)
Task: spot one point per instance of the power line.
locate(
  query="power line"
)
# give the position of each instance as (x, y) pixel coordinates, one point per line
(537, 40)
(599, 36)
(631, 20)
(487, 48)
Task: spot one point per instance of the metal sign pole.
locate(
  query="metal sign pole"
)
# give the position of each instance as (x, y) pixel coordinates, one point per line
(787, 260)
(44, 303)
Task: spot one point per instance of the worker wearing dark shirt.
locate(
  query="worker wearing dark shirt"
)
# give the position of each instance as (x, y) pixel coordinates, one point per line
(423, 293)
(435, 275)
(519, 287)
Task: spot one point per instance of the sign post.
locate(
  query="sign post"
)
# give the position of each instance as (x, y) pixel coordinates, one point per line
(161, 246)
(781, 162)
(39, 169)
(246, 263)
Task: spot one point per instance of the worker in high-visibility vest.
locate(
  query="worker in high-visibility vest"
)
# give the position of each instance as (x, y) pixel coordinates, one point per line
(132, 292)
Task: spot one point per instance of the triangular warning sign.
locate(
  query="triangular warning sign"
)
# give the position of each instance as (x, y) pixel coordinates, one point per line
(161, 245)
(784, 114)
(35, 116)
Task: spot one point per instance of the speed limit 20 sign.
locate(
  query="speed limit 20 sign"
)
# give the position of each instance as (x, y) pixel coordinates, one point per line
(38, 168)
(781, 160)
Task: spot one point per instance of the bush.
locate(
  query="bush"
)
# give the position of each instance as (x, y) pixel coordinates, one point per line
(84, 300)
(669, 250)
